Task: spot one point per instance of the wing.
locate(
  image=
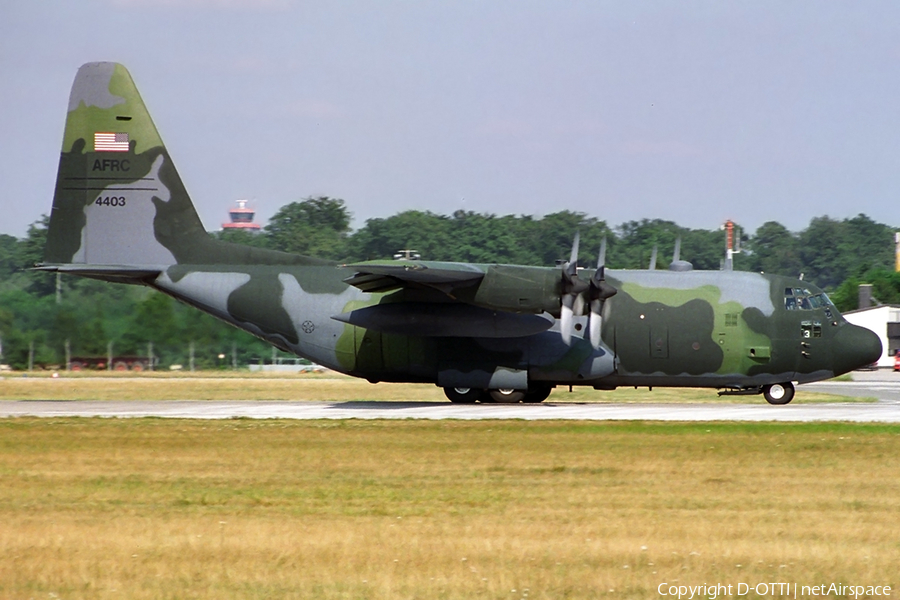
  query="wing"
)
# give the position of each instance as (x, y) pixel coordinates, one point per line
(443, 319)
(382, 275)
(481, 300)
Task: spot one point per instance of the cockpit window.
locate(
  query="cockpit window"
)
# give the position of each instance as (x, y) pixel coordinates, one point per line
(802, 299)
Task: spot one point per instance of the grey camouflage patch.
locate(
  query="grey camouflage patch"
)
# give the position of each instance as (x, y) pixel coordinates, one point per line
(92, 87)
(125, 234)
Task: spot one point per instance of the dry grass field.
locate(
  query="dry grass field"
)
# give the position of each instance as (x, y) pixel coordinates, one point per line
(153, 508)
(224, 385)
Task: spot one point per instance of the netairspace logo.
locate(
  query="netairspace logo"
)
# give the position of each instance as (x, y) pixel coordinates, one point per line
(775, 590)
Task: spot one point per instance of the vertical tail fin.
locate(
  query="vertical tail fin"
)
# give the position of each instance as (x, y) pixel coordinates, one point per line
(119, 199)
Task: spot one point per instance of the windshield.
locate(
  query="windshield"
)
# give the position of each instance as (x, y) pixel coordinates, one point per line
(802, 299)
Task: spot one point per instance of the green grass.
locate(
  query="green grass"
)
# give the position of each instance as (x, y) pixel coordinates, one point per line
(159, 508)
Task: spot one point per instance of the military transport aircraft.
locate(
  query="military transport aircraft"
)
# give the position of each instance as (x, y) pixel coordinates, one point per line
(483, 332)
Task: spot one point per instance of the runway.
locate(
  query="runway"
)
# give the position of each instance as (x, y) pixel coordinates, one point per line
(883, 386)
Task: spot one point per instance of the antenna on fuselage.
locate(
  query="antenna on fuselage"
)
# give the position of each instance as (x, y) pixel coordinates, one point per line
(407, 255)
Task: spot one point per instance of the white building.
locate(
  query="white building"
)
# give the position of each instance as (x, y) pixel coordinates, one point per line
(884, 320)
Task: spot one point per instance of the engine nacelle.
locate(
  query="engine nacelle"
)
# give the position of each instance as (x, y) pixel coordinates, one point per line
(519, 289)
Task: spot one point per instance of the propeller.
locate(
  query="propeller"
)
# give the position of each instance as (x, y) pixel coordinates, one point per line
(598, 293)
(678, 264)
(572, 288)
(652, 266)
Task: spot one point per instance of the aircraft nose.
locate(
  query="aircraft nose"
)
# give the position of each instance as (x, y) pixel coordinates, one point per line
(854, 347)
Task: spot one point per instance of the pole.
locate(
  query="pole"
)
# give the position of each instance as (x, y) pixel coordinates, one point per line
(68, 356)
(729, 245)
(31, 355)
(150, 355)
(191, 356)
(897, 251)
(109, 355)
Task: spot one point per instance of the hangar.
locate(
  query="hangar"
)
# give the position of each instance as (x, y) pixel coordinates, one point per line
(883, 319)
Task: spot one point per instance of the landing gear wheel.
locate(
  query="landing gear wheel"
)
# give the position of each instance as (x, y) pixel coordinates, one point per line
(506, 396)
(461, 395)
(779, 393)
(537, 393)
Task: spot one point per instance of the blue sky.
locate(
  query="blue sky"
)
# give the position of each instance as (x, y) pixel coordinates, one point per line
(692, 111)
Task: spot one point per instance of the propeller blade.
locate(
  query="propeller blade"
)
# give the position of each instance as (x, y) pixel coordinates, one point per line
(600, 290)
(565, 320)
(573, 258)
(595, 323)
(652, 266)
(572, 302)
(677, 254)
(578, 306)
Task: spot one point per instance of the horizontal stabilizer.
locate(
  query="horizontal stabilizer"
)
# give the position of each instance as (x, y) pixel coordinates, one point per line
(115, 273)
(429, 319)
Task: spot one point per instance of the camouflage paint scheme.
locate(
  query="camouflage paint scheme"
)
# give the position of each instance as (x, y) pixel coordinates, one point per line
(125, 216)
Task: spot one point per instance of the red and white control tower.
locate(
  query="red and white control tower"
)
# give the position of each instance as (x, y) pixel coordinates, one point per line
(242, 218)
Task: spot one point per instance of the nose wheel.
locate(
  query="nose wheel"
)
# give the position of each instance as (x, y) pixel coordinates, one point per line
(779, 393)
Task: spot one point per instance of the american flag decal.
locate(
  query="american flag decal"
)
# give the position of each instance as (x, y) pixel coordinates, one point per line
(110, 142)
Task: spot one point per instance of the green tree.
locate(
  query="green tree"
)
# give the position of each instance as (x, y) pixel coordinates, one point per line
(314, 227)
(775, 250)
(866, 245)
(550, 238)
(9, 248)
(242, 236)
(153, 321)
(31, 252)
(481, 237)
(637, 240)
(425, 232)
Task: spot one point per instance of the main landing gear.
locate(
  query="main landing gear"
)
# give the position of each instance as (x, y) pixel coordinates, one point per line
(775, 393)
(778, 393)
(459, 395)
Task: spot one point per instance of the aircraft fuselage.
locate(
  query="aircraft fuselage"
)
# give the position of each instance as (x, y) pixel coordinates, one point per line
(697, 328)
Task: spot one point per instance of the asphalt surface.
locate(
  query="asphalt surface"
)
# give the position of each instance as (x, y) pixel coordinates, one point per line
(876, 412)
(885, 386)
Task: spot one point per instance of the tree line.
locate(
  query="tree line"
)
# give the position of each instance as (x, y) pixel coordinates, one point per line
(39, 312)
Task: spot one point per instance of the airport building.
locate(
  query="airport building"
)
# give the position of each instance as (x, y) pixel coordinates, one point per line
(882, 319)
